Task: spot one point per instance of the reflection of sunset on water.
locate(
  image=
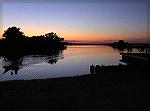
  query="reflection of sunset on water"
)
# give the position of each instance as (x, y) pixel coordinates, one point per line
(75, 60)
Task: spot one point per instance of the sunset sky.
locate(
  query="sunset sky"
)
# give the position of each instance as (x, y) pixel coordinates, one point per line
(79, 21)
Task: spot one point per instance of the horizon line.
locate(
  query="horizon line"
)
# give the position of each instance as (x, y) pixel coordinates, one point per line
(104, 41)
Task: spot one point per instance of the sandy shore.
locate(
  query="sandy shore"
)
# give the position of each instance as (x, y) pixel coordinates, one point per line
(114, 88)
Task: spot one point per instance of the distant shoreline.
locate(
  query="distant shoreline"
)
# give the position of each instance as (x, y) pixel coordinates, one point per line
(105, 43)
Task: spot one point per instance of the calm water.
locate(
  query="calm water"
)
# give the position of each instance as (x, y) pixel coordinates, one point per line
(75, 60)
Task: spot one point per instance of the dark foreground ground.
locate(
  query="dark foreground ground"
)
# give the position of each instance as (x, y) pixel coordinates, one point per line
(118, 88)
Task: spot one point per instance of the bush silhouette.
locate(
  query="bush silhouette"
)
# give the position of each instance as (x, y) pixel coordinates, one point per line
(16, 42)
(13, 33)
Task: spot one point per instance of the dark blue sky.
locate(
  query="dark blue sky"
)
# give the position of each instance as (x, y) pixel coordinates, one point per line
(79, 21)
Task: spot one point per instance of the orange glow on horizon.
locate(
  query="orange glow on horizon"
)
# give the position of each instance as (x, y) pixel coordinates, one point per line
(79, 35)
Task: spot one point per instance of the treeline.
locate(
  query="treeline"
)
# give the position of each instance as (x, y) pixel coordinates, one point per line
(15, 40)
(121, 45)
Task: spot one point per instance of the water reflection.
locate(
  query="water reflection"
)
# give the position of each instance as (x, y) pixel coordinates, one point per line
(13, 63)
(63, 63)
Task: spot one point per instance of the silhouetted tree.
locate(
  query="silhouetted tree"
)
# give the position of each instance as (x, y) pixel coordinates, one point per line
(16, 42)
(120, 45)
(13, 33)
(53, 37)
(121, 42)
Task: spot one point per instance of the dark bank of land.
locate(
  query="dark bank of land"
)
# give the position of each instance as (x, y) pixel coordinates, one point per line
(119, 87)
